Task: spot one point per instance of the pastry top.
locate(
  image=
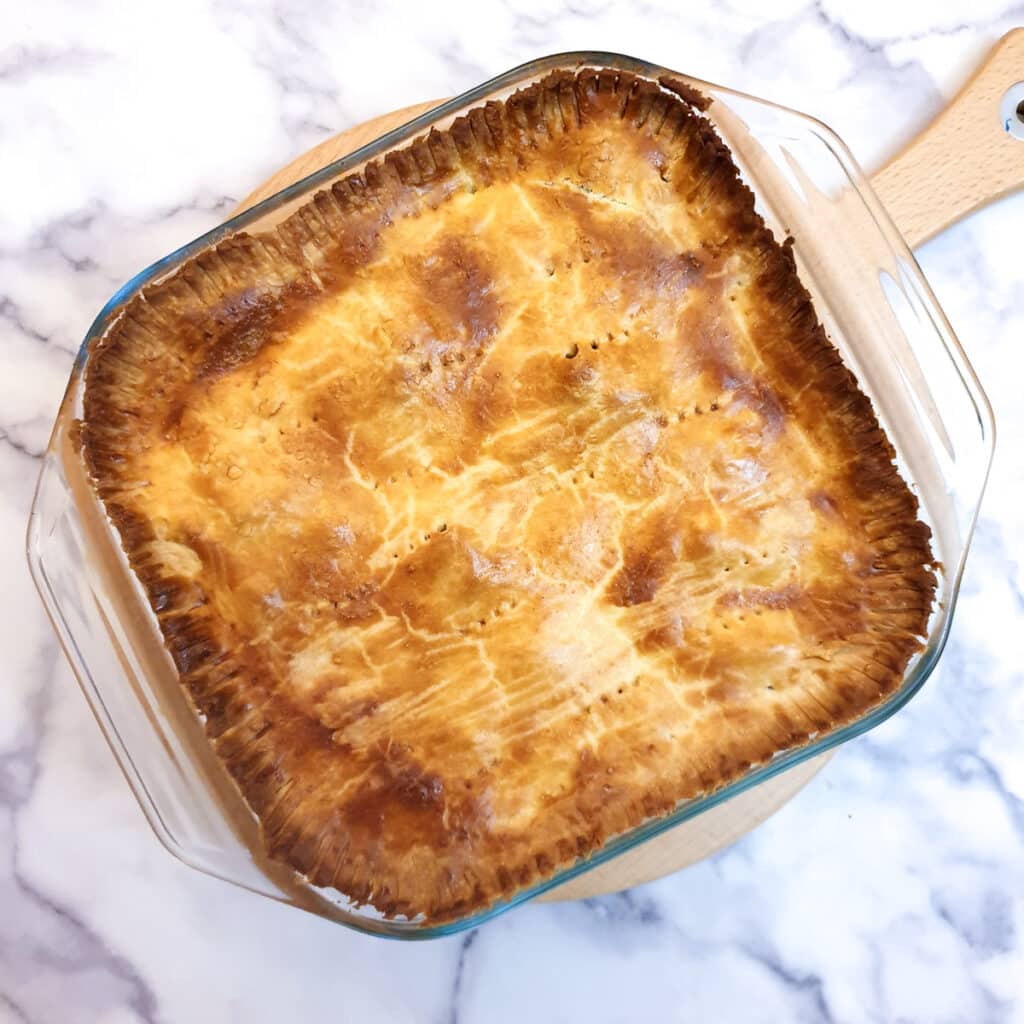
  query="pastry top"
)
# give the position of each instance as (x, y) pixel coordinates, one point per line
(504, 496)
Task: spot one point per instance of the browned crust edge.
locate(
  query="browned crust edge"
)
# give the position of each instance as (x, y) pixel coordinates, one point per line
(250, 726)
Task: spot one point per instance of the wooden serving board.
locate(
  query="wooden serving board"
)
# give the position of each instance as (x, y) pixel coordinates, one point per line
(962, 160)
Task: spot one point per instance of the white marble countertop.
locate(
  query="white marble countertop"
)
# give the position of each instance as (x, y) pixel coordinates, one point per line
(891, 889)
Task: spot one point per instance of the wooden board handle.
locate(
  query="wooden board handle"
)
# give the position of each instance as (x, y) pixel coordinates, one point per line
(964, 158)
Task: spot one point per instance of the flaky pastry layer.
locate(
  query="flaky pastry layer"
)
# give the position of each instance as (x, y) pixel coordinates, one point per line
(505, 496)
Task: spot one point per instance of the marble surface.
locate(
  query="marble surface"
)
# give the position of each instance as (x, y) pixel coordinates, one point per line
(891, 889)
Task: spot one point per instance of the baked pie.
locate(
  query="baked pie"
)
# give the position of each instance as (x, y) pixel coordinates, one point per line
(504, 496)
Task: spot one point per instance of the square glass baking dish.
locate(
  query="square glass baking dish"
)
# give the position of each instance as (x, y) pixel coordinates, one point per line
(876, 307)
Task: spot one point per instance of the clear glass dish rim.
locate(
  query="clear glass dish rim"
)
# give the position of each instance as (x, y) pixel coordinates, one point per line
(525, 72)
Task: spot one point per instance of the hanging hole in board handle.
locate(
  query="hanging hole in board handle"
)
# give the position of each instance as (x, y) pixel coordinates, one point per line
(1011, 110)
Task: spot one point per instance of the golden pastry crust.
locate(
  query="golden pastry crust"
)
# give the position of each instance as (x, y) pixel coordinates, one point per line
(506, 495)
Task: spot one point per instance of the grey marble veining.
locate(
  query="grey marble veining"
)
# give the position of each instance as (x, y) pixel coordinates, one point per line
(891, 889)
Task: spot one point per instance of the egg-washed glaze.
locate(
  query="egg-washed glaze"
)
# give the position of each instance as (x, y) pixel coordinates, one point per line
(503, 497)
